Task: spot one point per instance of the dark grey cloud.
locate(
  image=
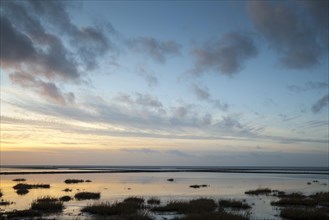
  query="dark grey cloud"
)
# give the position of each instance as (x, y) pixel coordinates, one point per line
(204, 95)
(45, 89)
(308, 86)
(297, 30)
(39, 39)
(320, 104)
(226, 55)
(156, 49)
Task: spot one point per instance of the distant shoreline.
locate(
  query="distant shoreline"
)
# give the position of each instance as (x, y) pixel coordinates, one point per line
(253, 171)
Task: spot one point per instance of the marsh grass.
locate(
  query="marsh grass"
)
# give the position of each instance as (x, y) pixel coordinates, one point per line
(23, 214)
(129, 206)
(19, 180)
(304, 214)
(153, 201)
(67, 190)
(47, 204)
(5, 202)
(22, 192)
(198, 186)
(170, 180)
(213, 216)
(294, 202)
(65, 198)
(30, 186)
(298, 199)
(73, 181)
(259, 191)
(193, 206)
(236, 204)
(1, 194)
(87, 195)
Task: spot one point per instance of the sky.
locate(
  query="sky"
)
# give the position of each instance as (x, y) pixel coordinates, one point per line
(178, 83)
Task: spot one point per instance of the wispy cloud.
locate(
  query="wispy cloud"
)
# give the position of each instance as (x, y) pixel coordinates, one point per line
(320, 104)
(308, 86)
(204, 95)
(226, 55)
(158, 50)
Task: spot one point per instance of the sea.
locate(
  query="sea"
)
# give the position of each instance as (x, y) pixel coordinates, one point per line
(116, 183)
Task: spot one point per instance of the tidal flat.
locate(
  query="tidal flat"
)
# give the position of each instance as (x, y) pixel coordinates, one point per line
(224, 191)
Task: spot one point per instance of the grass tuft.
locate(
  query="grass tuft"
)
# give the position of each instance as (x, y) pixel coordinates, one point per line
(213, 216)
(303, 214)
(30, 186)
(23, 214)
(22, 192)
(73, 181)
(65, 198)
(153, 201)
(87, 195)
(19, 180)
(260, 191)
(236, 204)
(47, 204)
(193, 206)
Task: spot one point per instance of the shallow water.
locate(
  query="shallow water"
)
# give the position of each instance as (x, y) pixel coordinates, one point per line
(117, 186)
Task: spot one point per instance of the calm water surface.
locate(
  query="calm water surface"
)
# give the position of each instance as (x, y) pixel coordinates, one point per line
(117, 186)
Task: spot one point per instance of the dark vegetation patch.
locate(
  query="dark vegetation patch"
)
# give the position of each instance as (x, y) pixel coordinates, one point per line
(73, 181)
(129, 206)
(294, 202)
(19, 180)
(193, 206)
(153, 201)
(213, 216)
(65, 198)
(88, 181)
(260, 191)
(137, 200)
(67, 190)
(87, 195)
(198, 186)
(1, 194)
(22, 192)
(18, 214)
(47, 204)
(304, 214)
(170, 179)
(298, 199)
(5, 202)
(30, 186)
(230, 203)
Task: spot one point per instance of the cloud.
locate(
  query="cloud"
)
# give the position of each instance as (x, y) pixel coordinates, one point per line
(178, 153)
(320, 104)
(204, 95)
(39, 39)
(140, 150)
(144, 100)
(295, 30)
(45, 89)
(308, 86)
(147, 76)
(156, 49)
(225, 55)
(201, 94)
